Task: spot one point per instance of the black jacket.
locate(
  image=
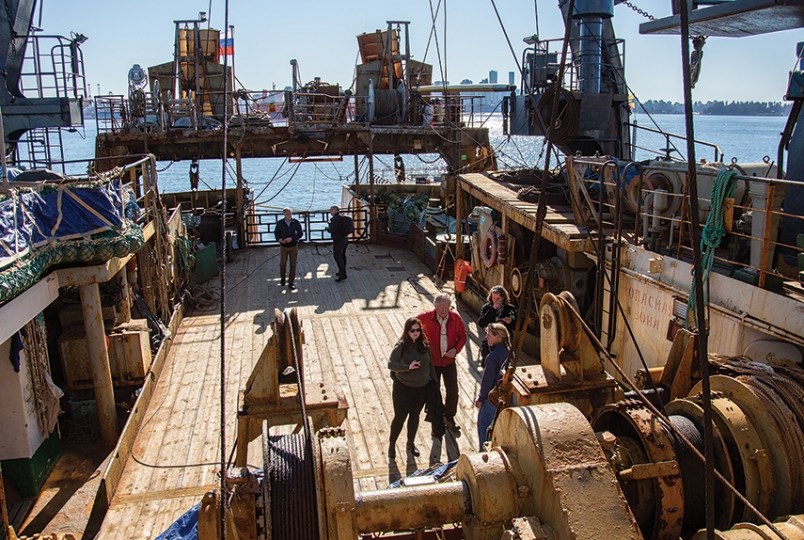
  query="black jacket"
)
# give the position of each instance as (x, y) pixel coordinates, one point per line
(489, 315)
(339, 227)
(294, 230)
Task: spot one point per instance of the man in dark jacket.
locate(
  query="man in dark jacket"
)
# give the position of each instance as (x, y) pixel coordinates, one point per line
(340, 227)
(288, 232)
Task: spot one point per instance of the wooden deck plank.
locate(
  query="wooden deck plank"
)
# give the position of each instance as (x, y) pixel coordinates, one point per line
(350, 328)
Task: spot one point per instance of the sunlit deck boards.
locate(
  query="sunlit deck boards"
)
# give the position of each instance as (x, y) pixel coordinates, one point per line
(559, 224)
(349, 330)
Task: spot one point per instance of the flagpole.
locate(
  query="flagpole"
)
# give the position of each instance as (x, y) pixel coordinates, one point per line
(231, 36)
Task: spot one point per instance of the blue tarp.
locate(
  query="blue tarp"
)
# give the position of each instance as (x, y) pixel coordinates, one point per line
(30, 218)
(184, 528)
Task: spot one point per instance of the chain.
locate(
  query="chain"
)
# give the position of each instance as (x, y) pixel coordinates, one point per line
(640, 11)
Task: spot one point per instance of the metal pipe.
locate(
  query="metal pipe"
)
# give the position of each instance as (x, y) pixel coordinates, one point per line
(99, 361)
(479, 87)
(409, 508)
(590, 54)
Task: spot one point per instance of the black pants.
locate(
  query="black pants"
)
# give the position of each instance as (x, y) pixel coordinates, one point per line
(435, 409)
(450, 375)
(408, 403)
(339, 252)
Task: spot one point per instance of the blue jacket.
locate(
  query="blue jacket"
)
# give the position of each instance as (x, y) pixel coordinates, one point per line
(283, 230)
(496, 361)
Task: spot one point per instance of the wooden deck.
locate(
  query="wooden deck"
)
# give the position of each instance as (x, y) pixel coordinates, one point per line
(349, 330)
(559, 223)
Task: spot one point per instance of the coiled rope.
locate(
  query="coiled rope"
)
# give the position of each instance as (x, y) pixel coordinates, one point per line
(711, 236)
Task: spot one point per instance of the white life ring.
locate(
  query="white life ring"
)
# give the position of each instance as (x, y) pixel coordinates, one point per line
(488, 251)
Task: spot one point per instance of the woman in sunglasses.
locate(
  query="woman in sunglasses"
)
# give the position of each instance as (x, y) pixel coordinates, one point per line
(411, 370)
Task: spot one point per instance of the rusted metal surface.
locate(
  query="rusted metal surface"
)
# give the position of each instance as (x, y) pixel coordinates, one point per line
(334, 475)
(284, 141)
(99, 360)
(265, 398)
(411, 508)
(668, 490)
(555, 455)
(493, 490)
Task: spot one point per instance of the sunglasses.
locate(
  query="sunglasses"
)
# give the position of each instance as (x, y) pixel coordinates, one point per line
(416, 330)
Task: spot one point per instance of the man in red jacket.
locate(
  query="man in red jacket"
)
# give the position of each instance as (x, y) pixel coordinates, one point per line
(447, 336)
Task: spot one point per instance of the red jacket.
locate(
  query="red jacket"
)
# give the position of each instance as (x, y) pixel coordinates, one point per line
(456, 336)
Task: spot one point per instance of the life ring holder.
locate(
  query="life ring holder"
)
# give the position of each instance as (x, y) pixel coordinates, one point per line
(488, 250)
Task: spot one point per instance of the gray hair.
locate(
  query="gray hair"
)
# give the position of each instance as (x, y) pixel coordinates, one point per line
(442, 298)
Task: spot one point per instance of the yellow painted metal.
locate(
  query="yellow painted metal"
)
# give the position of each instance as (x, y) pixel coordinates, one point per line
(773, 439)
(792, 529)
(493, 491)
(757, 469)
(560, 469)
(334, 475)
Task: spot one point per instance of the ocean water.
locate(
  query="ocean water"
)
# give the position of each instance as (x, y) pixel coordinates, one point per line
(316, 186)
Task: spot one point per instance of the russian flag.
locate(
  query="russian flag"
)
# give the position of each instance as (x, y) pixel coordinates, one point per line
(227, 47)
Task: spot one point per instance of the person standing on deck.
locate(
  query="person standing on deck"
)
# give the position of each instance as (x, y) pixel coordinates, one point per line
(496, 309)
(447, 336)
(494, 364)
(412, 371)
(288, 232)
(340, 227)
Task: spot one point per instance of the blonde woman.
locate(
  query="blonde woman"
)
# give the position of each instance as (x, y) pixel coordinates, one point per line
(494, 364)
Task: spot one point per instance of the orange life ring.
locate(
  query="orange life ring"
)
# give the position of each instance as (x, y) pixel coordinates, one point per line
(488, 252)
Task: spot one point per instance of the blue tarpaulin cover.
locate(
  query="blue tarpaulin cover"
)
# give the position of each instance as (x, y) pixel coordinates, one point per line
(184, 528)
(30, 218)
(47, 224)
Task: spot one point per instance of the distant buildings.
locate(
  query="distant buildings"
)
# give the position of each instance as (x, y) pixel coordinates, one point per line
(493, 77)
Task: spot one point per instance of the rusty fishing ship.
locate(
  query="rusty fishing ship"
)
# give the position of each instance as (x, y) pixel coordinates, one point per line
(658, 349)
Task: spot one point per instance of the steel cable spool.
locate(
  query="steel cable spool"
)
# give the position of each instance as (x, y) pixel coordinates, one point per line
(290, 472)
(692, 471)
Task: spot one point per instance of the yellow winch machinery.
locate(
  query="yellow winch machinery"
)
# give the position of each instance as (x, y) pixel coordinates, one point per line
(569, 459)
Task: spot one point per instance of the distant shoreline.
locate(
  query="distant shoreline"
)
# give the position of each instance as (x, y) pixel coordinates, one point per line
(722, 114)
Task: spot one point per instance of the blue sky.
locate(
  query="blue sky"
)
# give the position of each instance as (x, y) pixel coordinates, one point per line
(320, 34)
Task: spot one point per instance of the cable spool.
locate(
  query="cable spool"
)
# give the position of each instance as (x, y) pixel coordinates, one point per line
(488, 251)
(692, 471)
(386, 106)
(290, 472)
(566, 121)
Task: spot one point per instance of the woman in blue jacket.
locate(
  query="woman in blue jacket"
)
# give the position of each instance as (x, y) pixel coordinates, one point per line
(494, 365)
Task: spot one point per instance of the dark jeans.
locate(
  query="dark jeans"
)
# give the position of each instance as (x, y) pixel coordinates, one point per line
(435, 409)
(408, 403)
(286, 253)
(339, 252)
(485, 417)
(450, 375)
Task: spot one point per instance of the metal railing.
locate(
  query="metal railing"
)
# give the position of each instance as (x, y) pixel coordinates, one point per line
(670, 148)
(541, 65)
(649, 206)
(53, 66)
(261, 224)
(301, 109)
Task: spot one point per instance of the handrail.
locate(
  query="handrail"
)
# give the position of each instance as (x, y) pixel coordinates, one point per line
(667, 150)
